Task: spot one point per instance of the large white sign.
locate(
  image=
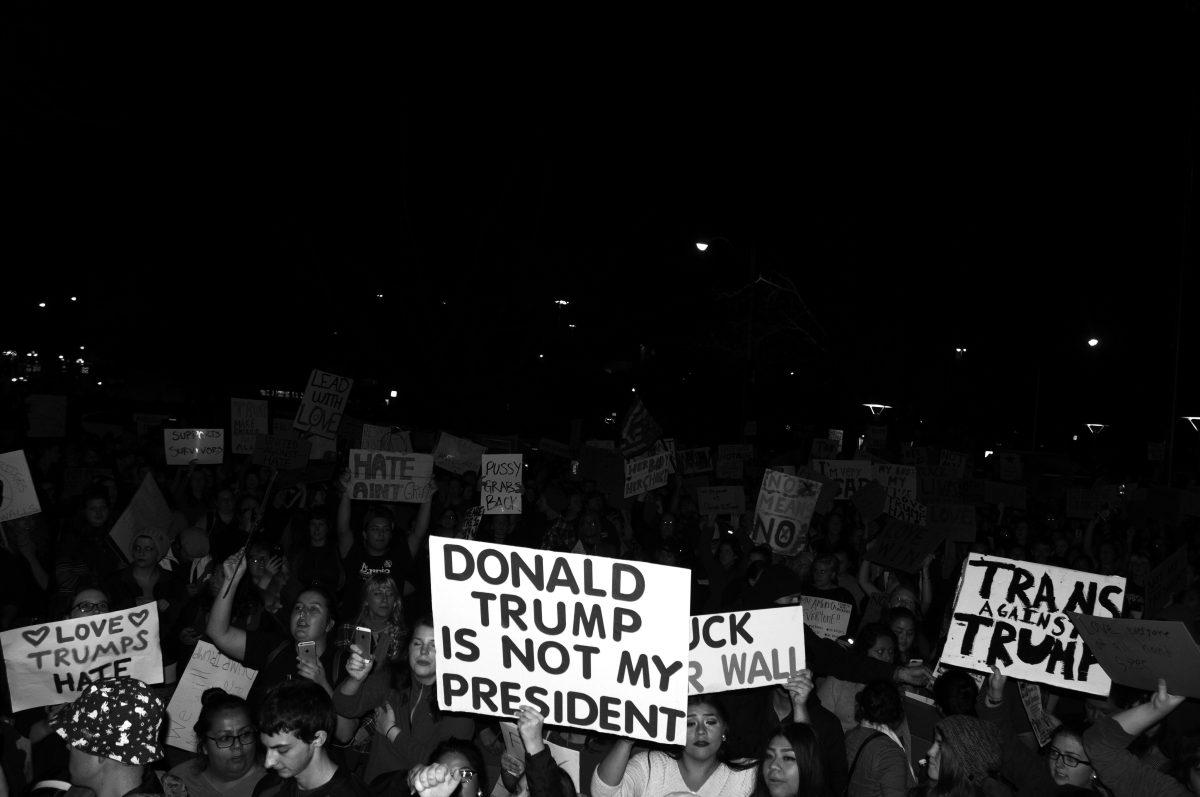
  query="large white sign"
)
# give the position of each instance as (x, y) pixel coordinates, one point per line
(740, 650)
(207, 668)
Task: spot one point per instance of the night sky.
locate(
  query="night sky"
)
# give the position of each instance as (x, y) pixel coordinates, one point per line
(226, 204)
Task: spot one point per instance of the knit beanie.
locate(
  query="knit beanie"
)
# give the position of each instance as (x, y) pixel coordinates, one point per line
(976, 744)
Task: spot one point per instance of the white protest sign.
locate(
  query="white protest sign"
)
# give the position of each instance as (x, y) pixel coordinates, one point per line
(385, 438)
(18, 496)
(784, 511)
(590, 642)
(900, 479)
(324, 402)
(202, 446)
(827, 618)
(148, 514)
(1014, 615)
(696, 460)
(732, 459)
(727, 500)
(390, 476)
(208, 668)
(1043, 724)
(740, 650)
(646, 473)
(247, 420)
(500, 484)
(54, 662)
(565, 757)
(848, 473)
(456, 454)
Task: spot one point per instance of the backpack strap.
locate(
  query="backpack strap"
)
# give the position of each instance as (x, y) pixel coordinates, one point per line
(850, 773)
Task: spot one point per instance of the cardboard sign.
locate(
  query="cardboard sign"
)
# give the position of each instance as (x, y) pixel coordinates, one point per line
(639, 431)
(732, 459)
(457, 454)
(53, 662)
(824, 449)
(741, 650)
(646, 473)
(903, 546)
(870, 500)
(1009, 466)
(725, 500)
(202, 446)
(208, 668)
(847, 473)
(827, 618)
(1016, 615)
(47, 416)
(18, 495)
(696, 460)
(324, 402)
(906, 509)
(955, 521)
(900, 479)
(784, 511)
(385, 438)
(1169, 577)
(281, 453)
(390, 476)
(590, 642)
(1139, 652)
(954, 463)
(147, 514)
(1043, 724)
(876, 438)
(247, 420)
(918, 456)
(566, 758)
(500, 484)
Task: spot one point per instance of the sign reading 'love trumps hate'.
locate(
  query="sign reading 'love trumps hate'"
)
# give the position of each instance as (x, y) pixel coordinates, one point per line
(54, 662)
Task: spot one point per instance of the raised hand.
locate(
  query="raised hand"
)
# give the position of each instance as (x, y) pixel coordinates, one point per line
(529, 724)
(358, 666)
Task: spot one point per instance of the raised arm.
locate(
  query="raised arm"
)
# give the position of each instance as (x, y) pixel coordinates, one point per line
(610, 774)
(345, 535)
(1107, 742)
(229, 640)
(420, 528)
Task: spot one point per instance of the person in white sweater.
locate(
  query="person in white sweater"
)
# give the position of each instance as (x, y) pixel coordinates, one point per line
(697, 769)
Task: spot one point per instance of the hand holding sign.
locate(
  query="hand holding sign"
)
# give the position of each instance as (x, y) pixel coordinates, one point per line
(799, 686)
(529, 723)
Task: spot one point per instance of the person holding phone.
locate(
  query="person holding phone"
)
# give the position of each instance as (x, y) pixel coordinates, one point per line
(305, 654)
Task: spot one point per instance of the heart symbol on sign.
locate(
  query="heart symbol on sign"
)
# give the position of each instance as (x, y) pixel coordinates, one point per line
(36, 636)
(137, 618)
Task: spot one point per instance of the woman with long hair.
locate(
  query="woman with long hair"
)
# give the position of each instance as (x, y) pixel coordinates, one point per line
(382, 612)
(791, 764)
(407, 723)
(699, 767)
(964, 759)
(879, 763)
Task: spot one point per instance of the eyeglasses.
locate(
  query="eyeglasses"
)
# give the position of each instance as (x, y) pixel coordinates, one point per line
(244, 738)
(1068, 759)
(88, 606)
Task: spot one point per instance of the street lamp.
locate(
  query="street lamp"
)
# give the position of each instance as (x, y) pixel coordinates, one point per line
(877, 409)
(1192, 420)
(1096, 428)
(702, 246)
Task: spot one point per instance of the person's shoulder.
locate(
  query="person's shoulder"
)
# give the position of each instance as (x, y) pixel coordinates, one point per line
(346, 784)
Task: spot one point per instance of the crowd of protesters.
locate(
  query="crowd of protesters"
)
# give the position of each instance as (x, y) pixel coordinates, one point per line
(330, 602)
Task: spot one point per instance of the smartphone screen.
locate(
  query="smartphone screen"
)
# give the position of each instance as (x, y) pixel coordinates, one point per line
(364, 640)
(308, 652)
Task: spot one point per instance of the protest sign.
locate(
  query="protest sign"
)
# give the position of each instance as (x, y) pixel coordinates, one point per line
(742, 650)
(500, 484)
(385, 438)
(47, 416)
(876, 438)
(639, 431)
(836, 435)
(324, 402)
(53, 662)
(1169, 577)
(955, 521)
(282, 427)
(731, 469)
(148, 514)
(727, 500)
(390, 476)
(784, 510)
(202, 446)
(696, 460)
(829, 489)
(590, 642)
(732, 459)
(208, 668)
(247, 420)
(903, 546)
(847, 473)
(666, 446)
(18, 495)
(322, 448)
(954, 463)
(870, 500)
(77, 481)
(902, 507)
(824, 449)
(566, 758)
(646, 473)
(1015, 615)
(1011, 495)
(1139, 652)
(829, 619)
(918, 456)
(900, 479)
(1009, 466)
(1043, 724)
(281, 453)
(457, 454)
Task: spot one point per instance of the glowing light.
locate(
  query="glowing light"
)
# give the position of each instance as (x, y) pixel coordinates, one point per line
(1096, 428)
(74, 298)
(570, 326)
(98, 384)
(541, 356)
(395, 393)
(1192, 420)
(41, 304)
(987, 453)
(1075, 437)
(878, 409)
(1093, 342)
(562, 302)
(700, 245)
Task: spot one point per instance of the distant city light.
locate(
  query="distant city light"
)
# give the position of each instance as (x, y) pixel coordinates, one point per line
(960, 350)
(987, 453)
(79, 361)
(791, 373)
(1093, 342)
(41, 304)
(633, 390)
(541, 356)
(81, 348)
(1075, 437)
(571, 326)
(98, 384)
(74, 299)
(703, 247)
(395, 393)
(379, 296)
(562, 302)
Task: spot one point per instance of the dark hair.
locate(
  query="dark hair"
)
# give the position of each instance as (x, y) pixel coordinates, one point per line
(469, 751)
(379, 511)
(869, 634)
(401, 673)
(900, 613)
(879, 701)
(299, 706)
(952, 780)
(213, 702)
(326, 595)
(803, 741)
(955, 692)
(723, 753)
(96, 493)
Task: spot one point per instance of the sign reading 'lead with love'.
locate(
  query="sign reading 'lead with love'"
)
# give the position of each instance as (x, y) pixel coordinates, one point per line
(54, 662)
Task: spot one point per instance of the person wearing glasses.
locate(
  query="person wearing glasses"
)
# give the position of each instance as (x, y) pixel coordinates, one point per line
(408, 724)
(88, 602)
(227, 742)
